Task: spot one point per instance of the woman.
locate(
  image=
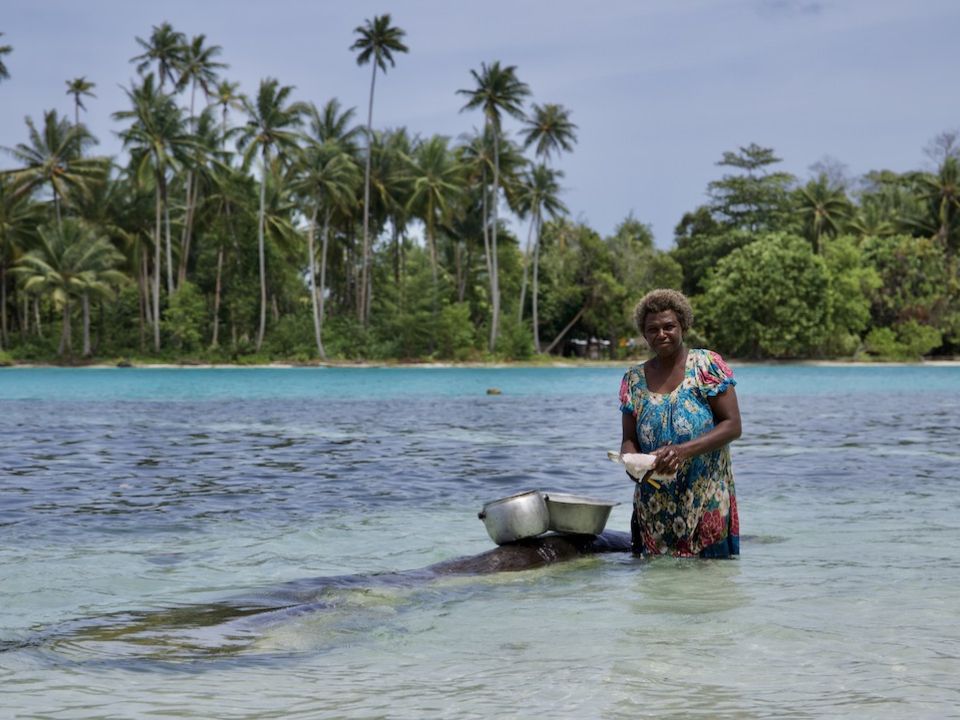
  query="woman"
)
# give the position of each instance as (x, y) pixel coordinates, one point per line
(681, 406)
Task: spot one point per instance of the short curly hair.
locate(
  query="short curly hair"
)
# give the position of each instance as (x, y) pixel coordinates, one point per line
(660, 300)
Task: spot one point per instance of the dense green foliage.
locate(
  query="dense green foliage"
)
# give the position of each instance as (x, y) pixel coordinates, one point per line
(245, 229)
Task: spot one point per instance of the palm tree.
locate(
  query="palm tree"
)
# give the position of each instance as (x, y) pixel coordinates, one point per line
(69, 261)
(331, 126)
(158, 141)
(197, 66)
(824, 210)
(227, 195)
(4, 50)
(167, 48)
(392, 182)
(226, 96)
(199, 159)
(19, 217)
(328, 178)
(79, 87)
(436, 184)
(55, 157)
(550, 127)
(540, 195)
(497, 91)
(378, 41)
(269, 129)
(941, 193)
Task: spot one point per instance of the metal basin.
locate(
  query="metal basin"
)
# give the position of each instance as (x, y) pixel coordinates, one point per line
(577, 514)
(515, 517)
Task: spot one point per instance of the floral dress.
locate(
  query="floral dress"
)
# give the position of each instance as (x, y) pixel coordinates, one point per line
(695, 514)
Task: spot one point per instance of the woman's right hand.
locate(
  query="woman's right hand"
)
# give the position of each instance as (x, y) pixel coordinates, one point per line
(669, 459)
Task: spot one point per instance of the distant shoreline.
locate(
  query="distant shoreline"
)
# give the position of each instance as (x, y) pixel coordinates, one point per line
(368, 364)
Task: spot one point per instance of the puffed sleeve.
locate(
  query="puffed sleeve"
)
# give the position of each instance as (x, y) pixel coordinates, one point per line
(628, 402)
(714, 376)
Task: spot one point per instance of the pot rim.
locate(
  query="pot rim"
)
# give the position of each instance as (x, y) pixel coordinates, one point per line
(514, 497)
(569, 499)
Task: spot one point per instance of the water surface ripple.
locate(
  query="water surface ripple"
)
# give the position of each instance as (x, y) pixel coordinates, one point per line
(139, 510)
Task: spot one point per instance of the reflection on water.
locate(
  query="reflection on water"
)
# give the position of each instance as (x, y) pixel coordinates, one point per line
(137, 530)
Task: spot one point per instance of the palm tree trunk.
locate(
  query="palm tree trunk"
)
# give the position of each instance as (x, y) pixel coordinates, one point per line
(190, 199)
(526, 265)
(458, 253)
(432, 240)
(156, 270)
(100, 324)
(262, 252)
(65, 344)
(143, 280)
(396, 252)
(4, 341)
(169, 243)
(494, 276)
(535, 290)
(86, 325)
(216, 300)
(187, 229)
(36, 317)
(366, 202)
(323, 279)
(312, 265)
(56, 205)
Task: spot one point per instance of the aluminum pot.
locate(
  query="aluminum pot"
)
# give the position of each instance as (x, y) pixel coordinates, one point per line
(577, 514)
(515, 517)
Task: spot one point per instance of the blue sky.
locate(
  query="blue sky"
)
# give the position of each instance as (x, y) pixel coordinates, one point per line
(659, 90)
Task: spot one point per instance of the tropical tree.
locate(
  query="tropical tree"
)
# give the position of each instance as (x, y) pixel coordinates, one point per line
(19, 217)
(377, 41)
(824, 210)
(436, 185)
(158, 140)
(166, 47)
(79, 87)
(391, 183)
(755, 198)
(270, 128)
(768, 299)
(68, 262)
(200, 160)
(549, 128)
(198, 67)
(328, 178)
(541, 191)
(4, 50)
(54, 157)
(940, 193)
(497, 91)
(226, 97)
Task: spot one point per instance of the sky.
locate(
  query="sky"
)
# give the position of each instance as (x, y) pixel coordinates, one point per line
(659, 89)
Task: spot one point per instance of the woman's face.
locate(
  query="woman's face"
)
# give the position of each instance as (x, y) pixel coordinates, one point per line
(662, 332)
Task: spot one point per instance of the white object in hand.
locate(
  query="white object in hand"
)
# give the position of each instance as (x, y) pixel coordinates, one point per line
(638, 464)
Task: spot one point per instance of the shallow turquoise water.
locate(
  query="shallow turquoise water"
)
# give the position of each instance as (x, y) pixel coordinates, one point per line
(160, 384)
(130, 491)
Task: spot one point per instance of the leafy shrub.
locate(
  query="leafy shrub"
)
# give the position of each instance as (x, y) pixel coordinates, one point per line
(909, 341)
(185, 317)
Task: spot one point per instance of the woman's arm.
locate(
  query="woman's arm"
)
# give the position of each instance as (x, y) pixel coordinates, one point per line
(726, 429)
(630, 443)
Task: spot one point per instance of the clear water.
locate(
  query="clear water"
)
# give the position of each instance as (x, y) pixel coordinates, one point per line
(135, 503)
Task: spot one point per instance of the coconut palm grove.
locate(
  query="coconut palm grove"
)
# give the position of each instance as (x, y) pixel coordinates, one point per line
(249, 228)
